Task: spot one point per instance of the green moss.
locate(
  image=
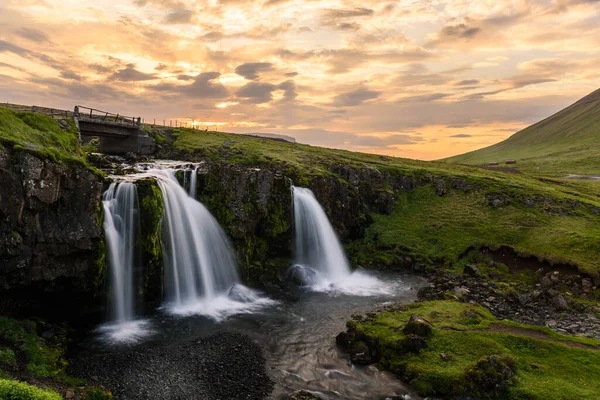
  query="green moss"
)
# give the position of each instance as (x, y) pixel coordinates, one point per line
(7, 357)
(151, 214)
(96, 394)
(15, 390)
(546, 367)
(100, 261)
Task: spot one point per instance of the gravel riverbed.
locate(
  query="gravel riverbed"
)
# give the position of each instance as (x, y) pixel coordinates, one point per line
(222, 366)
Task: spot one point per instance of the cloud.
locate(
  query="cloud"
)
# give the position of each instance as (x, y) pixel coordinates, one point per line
(179, 16)
(256, 92)
(130, 74)
(34, 35)
(204, 86)
(289, 90)
(462, 135)
(251, 71)
(354, 98)
(424, 98)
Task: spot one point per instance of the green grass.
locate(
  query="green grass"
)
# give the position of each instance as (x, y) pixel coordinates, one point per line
(440, 229)
(565, 143)
(15, 390)
(41, 135)
(546, 369)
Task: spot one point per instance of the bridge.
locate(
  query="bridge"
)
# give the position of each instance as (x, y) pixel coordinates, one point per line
(117, 134)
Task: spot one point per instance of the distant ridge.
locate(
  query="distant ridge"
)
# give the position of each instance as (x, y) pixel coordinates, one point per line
(567, 142)
(272, 136)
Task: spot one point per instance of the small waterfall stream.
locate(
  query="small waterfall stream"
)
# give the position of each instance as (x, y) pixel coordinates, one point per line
(121, 226)
(317, 245)
(122, 229)
(321, 263)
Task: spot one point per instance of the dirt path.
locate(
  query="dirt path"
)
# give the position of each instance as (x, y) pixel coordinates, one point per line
(500, 328)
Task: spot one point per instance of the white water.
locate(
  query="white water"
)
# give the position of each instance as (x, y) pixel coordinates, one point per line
(200, 269)
(121, 227)
(193, 182)
(320, 259)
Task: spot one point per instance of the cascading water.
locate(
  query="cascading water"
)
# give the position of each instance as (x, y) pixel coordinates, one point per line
(317, 245)
(122, 227)
(200, 269)
(320, 260)
(193, 183)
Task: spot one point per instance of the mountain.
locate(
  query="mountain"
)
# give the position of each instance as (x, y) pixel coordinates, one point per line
(564, 143)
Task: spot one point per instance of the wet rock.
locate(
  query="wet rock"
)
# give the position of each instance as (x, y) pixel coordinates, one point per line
(301, 275)
(418, 326)
(362, 354)
(344, 340)
(471, 269)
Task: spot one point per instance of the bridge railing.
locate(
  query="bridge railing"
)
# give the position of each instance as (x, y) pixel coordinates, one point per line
(93, 113)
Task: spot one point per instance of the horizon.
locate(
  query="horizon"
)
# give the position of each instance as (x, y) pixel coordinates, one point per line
(414, 80)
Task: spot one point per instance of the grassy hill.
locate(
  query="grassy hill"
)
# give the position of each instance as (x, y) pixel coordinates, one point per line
(434, 229)
(564, 143)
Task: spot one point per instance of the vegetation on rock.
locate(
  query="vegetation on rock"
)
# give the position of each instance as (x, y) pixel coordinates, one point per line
(466, 354)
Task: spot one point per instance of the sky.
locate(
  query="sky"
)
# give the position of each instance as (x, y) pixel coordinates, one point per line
(417, 79)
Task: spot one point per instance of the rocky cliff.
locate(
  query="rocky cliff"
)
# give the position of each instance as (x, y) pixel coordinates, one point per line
(50, 233)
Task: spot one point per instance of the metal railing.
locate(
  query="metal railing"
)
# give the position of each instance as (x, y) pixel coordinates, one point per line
(95, 114)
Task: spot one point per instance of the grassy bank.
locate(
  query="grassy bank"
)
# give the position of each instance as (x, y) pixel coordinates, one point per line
(546, 365)
(41, 135)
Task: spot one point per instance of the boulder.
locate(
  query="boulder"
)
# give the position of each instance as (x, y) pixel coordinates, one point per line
(361, 353)
(560, 303)
(490, 376)
(461, 291)
(301, 275)
(418, 326)
(471, 269)
(546, 282)
(413, 344)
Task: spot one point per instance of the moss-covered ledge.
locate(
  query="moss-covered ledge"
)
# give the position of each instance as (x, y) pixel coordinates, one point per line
(467, 352)
(151, 214)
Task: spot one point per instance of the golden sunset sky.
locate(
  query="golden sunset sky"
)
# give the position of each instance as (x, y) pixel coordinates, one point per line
(417, 79)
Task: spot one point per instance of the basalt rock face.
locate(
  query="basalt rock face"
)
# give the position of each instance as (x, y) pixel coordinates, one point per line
(50, 237)
(255, 208)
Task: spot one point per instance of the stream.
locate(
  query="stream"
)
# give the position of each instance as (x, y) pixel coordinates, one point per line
(297, 339)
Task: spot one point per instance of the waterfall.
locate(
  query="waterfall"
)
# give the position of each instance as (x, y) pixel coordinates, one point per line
(321, 263)
(200, 268)
(193, 184)
(317, 245)
(122, 228)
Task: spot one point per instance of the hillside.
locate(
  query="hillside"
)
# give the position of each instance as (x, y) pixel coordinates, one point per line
(564, 143)
(449, 210)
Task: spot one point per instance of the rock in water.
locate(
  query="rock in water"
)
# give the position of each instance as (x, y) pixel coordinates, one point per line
(302, 276)
(418, 326)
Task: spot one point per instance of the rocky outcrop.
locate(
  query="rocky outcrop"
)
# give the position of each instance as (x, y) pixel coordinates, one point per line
(50, 237)
(254, 206)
